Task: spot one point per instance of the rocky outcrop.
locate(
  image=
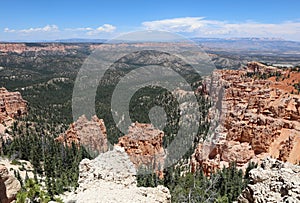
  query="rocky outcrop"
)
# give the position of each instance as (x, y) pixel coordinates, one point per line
(12, 105)
(111, 177)
(143, 144)
(256, 115)
(91, 134)
(9, 186)
(23, 167)
(274, 181)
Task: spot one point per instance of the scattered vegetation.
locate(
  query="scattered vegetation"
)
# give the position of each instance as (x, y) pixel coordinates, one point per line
(297, 87)
(54, 161)
(264, 76)
(15, 162)
(33, 192)
(296, 69)
(223, 186)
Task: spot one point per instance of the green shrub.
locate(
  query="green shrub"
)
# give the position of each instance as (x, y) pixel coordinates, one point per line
(15, 162)
(33, 192)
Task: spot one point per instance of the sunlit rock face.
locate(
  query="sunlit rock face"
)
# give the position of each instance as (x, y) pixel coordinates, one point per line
(144, 145)
(258, 114)
(12, 105)
(89, 133)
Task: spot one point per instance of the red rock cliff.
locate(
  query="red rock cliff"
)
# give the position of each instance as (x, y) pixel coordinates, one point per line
(143, 144)
(12, 105)
(91, 134)
(256, 118)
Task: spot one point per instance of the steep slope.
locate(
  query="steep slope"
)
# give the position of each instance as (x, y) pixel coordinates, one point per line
(258, 115)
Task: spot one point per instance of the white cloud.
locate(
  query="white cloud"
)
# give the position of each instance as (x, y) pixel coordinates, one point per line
(104, 28)
(54, 28)
(199, 26)
(79, 29)
(47, 28)
(187, 24)
(9, 30)
(54, 32)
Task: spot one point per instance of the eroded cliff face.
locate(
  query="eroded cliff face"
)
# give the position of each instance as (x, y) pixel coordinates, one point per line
(143, 144)
(274, 181)
(111, 177)
(12, 105)
(9, 186)
(91, 134)
(256, 115)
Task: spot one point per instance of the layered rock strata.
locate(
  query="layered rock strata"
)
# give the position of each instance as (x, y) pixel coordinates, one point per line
(256, 114)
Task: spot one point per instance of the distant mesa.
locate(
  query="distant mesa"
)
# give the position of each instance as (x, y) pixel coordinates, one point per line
(34, 47)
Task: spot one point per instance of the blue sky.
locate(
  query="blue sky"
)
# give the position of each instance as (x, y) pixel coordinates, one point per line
(44, 20)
